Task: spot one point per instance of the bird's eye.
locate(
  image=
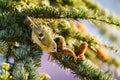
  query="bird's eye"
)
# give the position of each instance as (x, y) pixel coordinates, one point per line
(55, 49)
(41, 36)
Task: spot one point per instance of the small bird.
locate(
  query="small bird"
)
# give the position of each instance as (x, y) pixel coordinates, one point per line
(41, 37)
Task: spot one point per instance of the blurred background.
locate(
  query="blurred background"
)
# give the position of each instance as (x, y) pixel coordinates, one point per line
(57, 73)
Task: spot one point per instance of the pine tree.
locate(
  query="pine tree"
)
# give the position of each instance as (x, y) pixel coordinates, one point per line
(27, 27)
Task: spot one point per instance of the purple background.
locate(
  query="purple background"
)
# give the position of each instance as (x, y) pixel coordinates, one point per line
(54, 70)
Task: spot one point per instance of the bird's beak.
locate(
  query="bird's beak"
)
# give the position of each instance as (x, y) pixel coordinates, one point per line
(55, 50)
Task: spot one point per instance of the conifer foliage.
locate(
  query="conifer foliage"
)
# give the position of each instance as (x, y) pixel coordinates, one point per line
(27, 27)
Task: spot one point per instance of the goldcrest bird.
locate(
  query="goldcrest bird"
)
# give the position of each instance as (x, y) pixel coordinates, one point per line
(41, 37)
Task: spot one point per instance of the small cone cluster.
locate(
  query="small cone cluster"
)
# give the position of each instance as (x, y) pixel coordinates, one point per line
(82, 27)
(102, 53)
(81, 51)
(60, 43)
(61, 48)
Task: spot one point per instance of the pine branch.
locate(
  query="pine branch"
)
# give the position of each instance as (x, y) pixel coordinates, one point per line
(3, 47)
(19, 72)
(101, 14)
(26, 57)
(4, 71)
(104, 29)
(91, 5)
(82, 68)
(76, 13)
(27, 60)
(52, 12)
